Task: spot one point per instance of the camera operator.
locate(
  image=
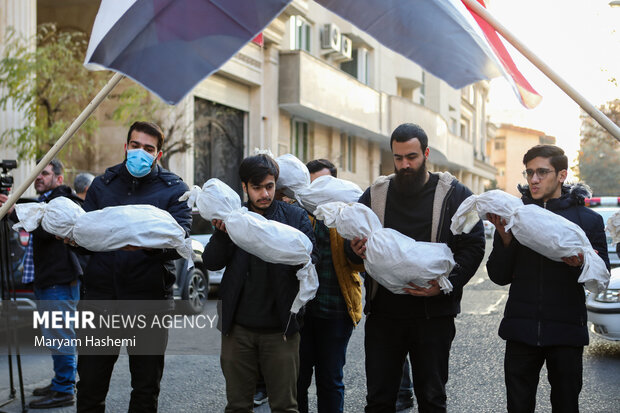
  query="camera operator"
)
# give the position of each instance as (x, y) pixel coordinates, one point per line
(54, 269)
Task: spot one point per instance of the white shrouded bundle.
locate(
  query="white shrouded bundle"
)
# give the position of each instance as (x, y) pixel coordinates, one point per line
(476, 207)
(613, 226)
(294, 180)
(269, 240)
(56, 217)
(539, 229)
(145, 226)
(109, 228)
(392, 259)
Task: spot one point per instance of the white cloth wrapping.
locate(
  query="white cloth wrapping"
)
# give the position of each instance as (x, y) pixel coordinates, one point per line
(56, 217)
(613, 226)
(293, 175)
(392, 259)
(539, 229)
(145, 226)
(109, 228)
(294, 181)
(476, 207)
(269, 240)
(326, 189)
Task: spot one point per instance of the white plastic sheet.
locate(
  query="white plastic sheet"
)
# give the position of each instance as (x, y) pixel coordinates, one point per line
(613, 226)
(392, 259)
(294, 181)
(539, 229)
(109, 228)
(269, 240)
(56, 217)
(145, 226)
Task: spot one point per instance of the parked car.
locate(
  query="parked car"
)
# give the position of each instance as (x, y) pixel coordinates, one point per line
(604, 309)
(606, 212)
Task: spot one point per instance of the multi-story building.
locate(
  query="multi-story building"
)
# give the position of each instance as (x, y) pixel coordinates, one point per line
(318, 87)
(506, 151)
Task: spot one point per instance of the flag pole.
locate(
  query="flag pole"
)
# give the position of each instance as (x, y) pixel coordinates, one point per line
(88, 110)
(603, 120)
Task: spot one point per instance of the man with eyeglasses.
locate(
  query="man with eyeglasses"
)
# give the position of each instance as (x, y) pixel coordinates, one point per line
(545, 319)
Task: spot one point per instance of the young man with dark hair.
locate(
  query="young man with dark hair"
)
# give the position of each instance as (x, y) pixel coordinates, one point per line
(132, 273)
(258, 329)
(545, 320)
(330, 316)
(420, 205)
(54, 269)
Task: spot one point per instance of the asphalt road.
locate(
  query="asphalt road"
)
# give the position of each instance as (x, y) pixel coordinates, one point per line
(194, 383)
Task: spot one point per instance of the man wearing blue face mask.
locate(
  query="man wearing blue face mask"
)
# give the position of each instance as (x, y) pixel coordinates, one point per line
(132, 273)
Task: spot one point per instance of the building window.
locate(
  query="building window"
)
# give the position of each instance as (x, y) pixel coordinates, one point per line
(465, 129)
(453, 126)
(500, 144)
(300, 33)
(299, 139)
(358, 65)
(347, 152)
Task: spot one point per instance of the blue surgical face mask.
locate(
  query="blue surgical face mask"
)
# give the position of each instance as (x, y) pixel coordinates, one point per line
(139, 162)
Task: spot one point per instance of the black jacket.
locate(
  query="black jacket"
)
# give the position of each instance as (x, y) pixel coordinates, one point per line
(54, 262)
(220, 252)
(546, 304)
(124, 275)
(468, 250)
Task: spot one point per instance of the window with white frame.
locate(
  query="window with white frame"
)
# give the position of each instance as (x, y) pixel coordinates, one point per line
(358, 65)
(423, 89)
(299, 139)
(300, 31)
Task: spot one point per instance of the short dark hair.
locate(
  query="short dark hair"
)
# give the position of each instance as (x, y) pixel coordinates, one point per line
(57, 166)
(556, 156)
(82, 182)
(408, 131)
(320, 164)
(254, 169)
(150, 129)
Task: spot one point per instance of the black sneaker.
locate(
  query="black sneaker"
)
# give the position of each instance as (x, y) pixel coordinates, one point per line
(55, 399)
(404, 404)
(260, 397)
(43, 391)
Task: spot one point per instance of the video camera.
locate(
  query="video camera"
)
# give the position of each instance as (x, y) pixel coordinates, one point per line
(6, 180)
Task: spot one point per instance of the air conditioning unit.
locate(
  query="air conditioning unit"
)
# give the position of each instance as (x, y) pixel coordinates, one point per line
(346, 49)
(330, 39)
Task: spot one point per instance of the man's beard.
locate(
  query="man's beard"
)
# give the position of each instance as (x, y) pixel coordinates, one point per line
(410, 181)
(259, 208)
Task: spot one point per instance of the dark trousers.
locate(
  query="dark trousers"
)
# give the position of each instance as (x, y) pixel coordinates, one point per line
(323, 349)
(522, 364)
(388, 341)
(243, 351)
(146, 365)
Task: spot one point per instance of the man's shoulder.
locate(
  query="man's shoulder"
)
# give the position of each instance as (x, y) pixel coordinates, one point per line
(291, 214)
(170, 178)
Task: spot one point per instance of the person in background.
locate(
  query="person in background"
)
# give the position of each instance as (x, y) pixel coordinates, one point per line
(53, 268)
(81, 183)
(545, 320)
(330, 316)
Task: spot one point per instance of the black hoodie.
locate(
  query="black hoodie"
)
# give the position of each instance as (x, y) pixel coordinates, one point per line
(546, 304)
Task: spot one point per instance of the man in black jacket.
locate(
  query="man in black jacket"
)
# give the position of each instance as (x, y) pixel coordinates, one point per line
(132, 273)
(258, 328)
(545, 316)
(54, 269)
(419, 322)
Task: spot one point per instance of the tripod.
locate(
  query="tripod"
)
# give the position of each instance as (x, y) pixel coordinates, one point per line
(8, 311)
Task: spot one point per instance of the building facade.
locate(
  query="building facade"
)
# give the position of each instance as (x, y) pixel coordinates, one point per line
(506, 151)
(316, 86)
